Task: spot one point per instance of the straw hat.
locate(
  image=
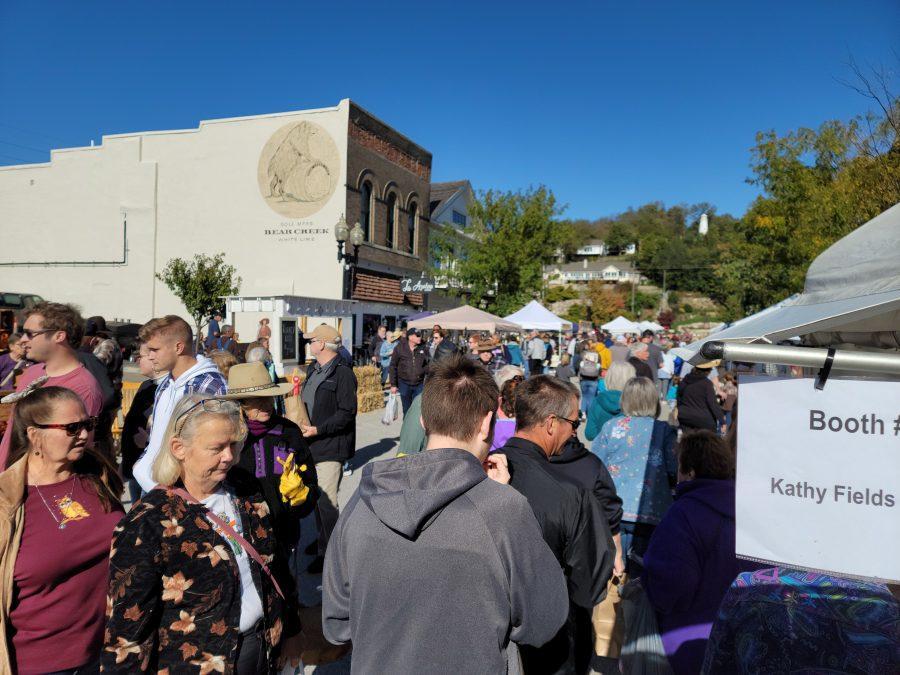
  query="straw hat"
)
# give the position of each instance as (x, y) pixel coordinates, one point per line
(709, 364)
(251, 380)
(393, 337)
(486, 346)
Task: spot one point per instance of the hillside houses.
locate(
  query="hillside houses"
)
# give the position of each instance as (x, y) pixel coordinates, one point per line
(609, 269)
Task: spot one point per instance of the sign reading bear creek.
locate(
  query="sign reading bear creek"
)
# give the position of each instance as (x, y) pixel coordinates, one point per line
(299, 169)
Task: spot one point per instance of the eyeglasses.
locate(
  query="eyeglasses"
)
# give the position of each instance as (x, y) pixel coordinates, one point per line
(31, 334)
(575, 423)
(211, 405)
(72, 428)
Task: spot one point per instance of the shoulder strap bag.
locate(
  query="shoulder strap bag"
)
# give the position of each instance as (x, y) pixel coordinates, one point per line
(230, 531)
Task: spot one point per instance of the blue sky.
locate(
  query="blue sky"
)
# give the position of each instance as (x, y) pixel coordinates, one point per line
(610, 104)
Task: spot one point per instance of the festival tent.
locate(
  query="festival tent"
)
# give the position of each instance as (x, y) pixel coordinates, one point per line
(650, 325)
(537, 317)
(851, 296)
(466, 318)
(620, 325)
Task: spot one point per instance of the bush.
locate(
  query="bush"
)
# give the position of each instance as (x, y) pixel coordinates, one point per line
(560, 293)
(687, 308)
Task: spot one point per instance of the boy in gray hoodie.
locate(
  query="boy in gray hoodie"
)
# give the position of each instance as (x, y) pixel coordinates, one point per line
(436, 565)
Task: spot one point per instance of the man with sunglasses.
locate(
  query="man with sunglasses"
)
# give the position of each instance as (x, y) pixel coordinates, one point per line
(570, 517)
(50, 335)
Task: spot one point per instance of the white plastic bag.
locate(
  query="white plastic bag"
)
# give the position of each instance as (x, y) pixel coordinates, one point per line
(391, 409)
(292, 670)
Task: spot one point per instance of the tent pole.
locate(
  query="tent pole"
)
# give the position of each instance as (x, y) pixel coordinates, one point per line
(807, 357)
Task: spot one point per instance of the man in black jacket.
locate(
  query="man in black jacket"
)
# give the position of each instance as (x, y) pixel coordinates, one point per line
(571, 519)
(409, 363)
(329, 394)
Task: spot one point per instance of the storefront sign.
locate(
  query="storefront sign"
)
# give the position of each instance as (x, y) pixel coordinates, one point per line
(416, 285)
(818, 475)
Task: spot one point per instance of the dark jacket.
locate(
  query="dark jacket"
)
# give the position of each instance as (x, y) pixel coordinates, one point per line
(689, 566)
(577, 532)
(334, 416)
(169, 571)
(641, 369)
(375, 347)
(584, 468)
(697, 405)
(408, 365)
(443, 350)
(435, 568)
(137, 419)
(282, 438)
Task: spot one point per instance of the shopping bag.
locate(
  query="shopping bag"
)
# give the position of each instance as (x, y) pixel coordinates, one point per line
(294, 407)
(642, 647)
(607, 621)
(391, 409)
(293, 670)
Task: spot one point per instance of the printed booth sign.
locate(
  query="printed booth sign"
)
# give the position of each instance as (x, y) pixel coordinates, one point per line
(818, 475)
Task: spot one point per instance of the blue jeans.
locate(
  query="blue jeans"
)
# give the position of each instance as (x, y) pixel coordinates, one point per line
(408, 392)
(588, 392)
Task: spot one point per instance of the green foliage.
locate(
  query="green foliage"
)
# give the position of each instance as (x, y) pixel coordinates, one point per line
(560, 293)
(510, 238)
(577, 312)
(200, 284)
(605, 302)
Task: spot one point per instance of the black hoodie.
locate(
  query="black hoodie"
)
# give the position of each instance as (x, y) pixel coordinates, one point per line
(435, 568)
(582, 467)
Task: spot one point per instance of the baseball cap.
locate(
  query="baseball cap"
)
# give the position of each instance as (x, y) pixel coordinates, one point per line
(412, 331)
(323, 332)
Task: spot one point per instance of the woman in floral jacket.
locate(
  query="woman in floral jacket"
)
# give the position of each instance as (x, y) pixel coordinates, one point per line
(638, 450)
(185, 594)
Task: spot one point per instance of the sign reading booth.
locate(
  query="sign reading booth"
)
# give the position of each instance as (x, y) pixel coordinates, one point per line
(818, 475)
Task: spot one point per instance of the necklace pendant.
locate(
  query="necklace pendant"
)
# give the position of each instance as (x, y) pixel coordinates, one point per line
(62, 526)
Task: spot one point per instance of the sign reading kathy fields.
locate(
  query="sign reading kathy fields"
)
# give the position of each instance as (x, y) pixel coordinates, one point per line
(818, 475)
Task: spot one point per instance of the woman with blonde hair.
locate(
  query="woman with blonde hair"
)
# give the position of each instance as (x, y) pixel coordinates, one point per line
(607, 403)
(197, 580)
(59, 503)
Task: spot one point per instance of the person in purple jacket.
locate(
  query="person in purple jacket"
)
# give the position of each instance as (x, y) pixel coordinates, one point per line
(690, 562)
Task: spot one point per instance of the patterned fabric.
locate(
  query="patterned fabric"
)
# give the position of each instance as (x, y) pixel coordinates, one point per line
(784, 620)
(175, 590)
(210, 383)
(639, 453)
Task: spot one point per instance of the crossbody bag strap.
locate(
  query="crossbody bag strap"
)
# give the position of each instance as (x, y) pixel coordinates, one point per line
(230, 531)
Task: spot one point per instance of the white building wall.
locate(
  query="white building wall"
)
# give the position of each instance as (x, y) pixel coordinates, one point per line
(182, 193)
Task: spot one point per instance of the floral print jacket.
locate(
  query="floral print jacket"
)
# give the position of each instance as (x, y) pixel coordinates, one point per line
(174, 599)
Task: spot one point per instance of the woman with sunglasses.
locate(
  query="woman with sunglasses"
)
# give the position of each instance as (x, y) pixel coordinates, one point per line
(197, 582)
(59, 503)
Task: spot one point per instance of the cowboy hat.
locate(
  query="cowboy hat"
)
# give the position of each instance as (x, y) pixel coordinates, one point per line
(709, 364)
(251, 380)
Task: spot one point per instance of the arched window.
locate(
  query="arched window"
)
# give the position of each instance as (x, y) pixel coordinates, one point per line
(411, 228)
(389, 237)
(365, 209)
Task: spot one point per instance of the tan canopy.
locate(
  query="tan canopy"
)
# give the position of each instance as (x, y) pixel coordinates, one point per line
(466, 318)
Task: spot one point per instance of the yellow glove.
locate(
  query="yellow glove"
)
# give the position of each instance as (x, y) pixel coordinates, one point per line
(291, 486)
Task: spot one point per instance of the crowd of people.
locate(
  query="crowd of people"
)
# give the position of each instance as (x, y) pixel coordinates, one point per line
(495, 541)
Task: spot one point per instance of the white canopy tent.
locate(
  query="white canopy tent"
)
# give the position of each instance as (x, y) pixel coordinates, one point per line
(534, 316)
(620, 325)
(650, 325)
(851, 296)
(466, 318)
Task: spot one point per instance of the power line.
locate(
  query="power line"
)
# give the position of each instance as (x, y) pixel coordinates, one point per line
(34, 133)
(24, 147)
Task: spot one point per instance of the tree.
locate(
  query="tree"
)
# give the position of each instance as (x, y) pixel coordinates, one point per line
(604, 302)
(511, 236)
(200, 284)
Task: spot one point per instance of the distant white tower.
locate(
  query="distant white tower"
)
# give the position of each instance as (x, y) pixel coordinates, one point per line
(704, 225)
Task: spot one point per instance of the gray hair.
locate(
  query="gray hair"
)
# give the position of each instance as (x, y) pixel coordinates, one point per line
(332, 346)
(640, 398)
(506, 373)
(259, 353)
(189, 412)
(543, 396)
(637, 348)
(617, 375)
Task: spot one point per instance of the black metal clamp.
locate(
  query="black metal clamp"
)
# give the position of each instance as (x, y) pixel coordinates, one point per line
(825, 370)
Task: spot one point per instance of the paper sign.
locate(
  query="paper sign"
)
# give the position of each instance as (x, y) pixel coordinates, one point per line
(818, 475)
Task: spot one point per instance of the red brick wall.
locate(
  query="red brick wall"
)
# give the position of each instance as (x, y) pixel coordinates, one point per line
(389, 151)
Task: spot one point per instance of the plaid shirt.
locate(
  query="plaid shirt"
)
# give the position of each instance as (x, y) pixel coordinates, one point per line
(213, 384)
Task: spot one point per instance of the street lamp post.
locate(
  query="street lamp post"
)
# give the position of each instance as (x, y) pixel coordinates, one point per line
(354, 237)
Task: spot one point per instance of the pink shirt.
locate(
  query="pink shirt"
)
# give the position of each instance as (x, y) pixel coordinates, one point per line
(79, 380)
(60, 578)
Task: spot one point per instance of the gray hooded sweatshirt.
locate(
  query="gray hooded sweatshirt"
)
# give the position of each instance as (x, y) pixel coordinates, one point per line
(435, 568)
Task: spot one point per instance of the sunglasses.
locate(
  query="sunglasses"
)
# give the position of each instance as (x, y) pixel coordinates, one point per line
(72, 428)
(211, 405)
(575, 423)
(31, 334)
